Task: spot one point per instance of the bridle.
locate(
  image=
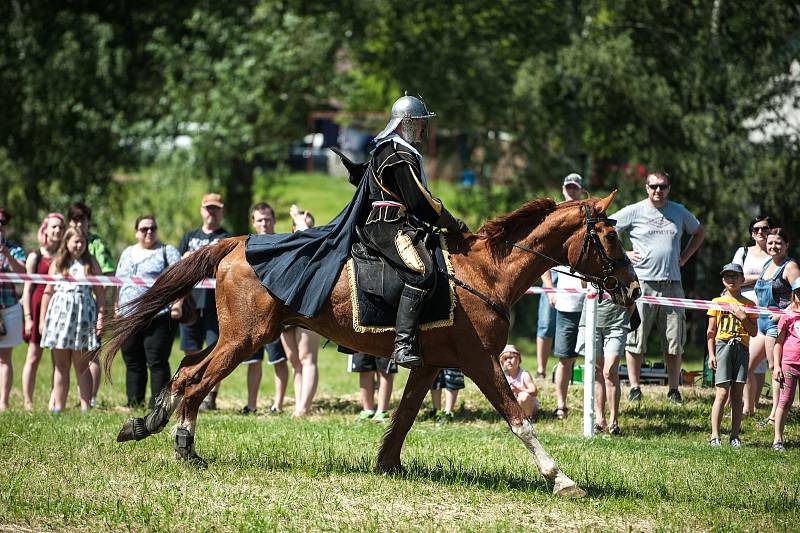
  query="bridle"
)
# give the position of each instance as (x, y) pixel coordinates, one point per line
(608, 282)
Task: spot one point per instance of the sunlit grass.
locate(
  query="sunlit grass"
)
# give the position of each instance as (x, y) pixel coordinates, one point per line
(66, 472)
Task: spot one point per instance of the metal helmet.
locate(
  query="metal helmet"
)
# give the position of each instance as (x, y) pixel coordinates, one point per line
(406, 110)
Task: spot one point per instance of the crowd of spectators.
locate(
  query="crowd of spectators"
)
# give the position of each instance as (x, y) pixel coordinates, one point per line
(68, 318)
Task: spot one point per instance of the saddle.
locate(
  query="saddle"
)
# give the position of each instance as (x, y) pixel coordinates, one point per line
(375, 289)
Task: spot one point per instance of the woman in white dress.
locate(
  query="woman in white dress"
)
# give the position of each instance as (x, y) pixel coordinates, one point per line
(72, 319)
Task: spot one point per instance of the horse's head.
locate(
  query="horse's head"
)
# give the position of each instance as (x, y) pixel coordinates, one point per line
(600, 253)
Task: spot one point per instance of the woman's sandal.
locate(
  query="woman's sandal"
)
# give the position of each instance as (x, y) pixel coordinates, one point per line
(561, 412)
(761, 424)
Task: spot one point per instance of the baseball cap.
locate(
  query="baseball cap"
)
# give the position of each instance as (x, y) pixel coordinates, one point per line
(513, 349)
(732, 267)
(212, 198)
(574, 179)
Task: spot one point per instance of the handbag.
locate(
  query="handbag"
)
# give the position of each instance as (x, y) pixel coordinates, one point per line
(188, 306)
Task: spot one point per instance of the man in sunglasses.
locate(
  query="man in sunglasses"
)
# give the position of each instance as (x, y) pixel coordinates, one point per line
(655, 227)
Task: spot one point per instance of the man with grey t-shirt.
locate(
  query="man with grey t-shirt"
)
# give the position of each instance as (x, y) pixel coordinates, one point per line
(655, 227)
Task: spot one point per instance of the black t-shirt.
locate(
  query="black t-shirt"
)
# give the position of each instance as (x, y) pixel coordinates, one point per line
(193, 240)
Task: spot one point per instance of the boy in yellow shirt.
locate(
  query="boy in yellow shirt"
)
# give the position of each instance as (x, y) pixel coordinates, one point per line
(728, 337)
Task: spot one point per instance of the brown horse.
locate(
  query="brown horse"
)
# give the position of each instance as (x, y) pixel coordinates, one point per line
(501, 261)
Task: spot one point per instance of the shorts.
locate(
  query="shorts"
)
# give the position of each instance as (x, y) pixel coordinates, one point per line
(671, 321)
(546, 321)
(566, 338)
(767, 326)
(12, 318)
(610, 342)
(450, 379)
(732, 361)
(275, 354)
(205, 329)
(364, 362)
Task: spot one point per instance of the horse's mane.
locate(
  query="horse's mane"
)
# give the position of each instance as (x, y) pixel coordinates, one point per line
(513, 226)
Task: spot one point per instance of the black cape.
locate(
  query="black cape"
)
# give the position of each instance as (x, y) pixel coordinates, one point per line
(301, 268)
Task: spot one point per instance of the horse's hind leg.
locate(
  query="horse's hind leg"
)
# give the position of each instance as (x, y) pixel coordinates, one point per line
(487, 374)
(191, 369)
(418, 385)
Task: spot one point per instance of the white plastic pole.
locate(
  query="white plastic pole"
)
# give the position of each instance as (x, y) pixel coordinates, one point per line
(591, 356)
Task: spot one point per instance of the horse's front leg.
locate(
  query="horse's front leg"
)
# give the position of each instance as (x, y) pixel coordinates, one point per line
(224, 358)
(485, 371)
(418, 384)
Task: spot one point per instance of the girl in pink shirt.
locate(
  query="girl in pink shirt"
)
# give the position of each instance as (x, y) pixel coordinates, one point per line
(519, 380)
(786, 369)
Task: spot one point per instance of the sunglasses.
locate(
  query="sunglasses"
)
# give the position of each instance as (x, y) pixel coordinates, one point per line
(145, 229)
(658, 186)
(760, 229)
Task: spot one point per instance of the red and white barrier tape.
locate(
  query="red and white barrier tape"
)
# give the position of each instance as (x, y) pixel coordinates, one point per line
(675, 302)
(105, 281)
(210, 283)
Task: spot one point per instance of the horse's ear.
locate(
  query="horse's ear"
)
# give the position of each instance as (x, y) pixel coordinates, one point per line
(602, 205)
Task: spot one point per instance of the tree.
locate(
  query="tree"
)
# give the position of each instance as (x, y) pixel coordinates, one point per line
(241, 80)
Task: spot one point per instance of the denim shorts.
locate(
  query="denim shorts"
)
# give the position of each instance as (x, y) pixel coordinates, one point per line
(566, 339)
(546, 321)
(767, 326)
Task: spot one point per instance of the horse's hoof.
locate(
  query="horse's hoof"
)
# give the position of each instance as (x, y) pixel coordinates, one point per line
(391, 468)
(568, 489)
(126, 433)
(192, 459)
(133, 429)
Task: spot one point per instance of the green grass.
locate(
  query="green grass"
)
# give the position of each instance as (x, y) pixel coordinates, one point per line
(268, 473)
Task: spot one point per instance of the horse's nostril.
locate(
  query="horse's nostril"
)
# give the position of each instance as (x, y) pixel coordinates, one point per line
(636, 293)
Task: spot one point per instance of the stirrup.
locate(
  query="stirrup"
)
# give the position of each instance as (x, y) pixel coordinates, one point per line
(408, 361)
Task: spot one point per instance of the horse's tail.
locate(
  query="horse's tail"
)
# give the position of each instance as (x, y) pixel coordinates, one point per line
(174, 283)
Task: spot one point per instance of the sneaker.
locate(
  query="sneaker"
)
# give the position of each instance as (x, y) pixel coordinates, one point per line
(635, 394)
(273, 410)
(93, 402)
(445, 417)
(247, 411)
(365, 415)
(674, 396)
(381, 416)
(715, 442)
(736, 443)
(778, 447)
(430, 414)
(208, 404)
(541, 375)
(614, 431)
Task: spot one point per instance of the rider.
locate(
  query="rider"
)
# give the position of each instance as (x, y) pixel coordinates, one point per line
(401, 208)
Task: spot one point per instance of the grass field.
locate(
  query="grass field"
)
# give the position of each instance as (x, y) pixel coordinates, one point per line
(270, 473)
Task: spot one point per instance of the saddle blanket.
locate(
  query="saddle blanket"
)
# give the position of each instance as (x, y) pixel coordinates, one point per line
(372, 314)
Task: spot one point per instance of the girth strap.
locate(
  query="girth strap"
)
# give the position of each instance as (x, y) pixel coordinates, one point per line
(499, 309)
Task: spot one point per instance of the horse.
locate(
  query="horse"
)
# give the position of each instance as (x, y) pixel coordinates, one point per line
(493, 269)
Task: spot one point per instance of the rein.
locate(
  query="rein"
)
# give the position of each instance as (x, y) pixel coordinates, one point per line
(608, 282)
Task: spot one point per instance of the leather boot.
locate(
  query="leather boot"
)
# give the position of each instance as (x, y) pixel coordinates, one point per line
(407, 348)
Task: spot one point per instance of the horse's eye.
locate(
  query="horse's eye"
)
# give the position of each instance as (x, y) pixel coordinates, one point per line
(611, 237)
